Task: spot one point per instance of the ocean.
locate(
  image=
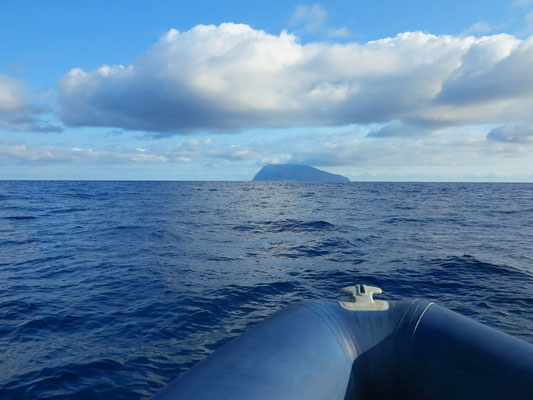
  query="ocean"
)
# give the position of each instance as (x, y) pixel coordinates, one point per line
(112, 289)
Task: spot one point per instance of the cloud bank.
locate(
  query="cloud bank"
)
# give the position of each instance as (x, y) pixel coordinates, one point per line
(232, 77)
(468, 157)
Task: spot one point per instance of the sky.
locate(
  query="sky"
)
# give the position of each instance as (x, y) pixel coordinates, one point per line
(166, 90)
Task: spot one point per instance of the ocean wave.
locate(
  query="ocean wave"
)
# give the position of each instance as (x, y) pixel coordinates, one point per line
(111, 289)
(287, 225)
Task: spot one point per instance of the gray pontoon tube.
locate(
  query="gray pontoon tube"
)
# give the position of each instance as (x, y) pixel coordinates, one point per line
(363, 349)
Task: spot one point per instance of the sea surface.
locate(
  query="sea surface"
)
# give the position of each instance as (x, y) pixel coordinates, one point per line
(111, 289)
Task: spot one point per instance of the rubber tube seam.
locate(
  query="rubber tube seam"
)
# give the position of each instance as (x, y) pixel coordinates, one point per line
(420, 319)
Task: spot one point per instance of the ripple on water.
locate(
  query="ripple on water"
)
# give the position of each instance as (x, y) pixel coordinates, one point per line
(111, 289)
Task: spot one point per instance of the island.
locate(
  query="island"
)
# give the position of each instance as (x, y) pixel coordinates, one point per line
(296, 173)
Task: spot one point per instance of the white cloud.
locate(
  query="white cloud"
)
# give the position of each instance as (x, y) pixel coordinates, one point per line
(21, 153)
(16, 111)
(480, 27)
(496, 69)
(312, 20)
(11, 93)
(309, 19)
(338, 32)
(521, 3)
(197, 150)
(528, 28)
(232, 77)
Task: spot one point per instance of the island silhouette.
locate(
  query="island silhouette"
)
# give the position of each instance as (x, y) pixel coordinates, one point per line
(296, 173)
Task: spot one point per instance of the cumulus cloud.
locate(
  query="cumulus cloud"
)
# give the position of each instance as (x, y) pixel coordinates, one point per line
(16, 111)
(495, 69)
(232, 77)
(10, 93)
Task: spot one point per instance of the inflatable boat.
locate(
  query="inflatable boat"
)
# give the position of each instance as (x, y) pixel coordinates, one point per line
(363, 348)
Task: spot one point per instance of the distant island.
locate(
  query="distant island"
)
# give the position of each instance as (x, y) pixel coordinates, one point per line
(296, 173)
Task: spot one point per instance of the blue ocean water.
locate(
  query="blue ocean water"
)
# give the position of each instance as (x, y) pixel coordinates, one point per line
(111, 289)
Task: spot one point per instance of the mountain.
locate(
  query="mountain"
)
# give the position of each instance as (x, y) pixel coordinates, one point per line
(296, 173)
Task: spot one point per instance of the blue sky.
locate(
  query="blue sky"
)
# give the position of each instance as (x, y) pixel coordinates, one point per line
(382, 90)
